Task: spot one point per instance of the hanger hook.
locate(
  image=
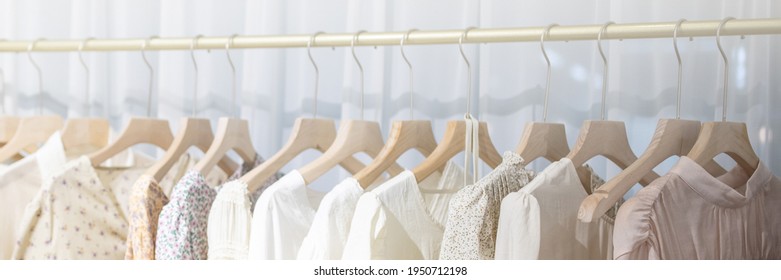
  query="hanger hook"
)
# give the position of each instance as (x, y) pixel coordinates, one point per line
(726, 67)
(30, 48)
(409, 65)
(604, 61)
(194, 44)
(360, 67)
(680, 68)
(86, 75)
(468, 70)
(146, 43)
(546, 32)
(228, 45)
(314, 64)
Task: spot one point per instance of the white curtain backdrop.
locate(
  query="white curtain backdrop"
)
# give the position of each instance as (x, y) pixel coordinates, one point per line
(275, 86)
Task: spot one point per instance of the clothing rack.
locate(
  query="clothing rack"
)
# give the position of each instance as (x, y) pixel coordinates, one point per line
(482, 35)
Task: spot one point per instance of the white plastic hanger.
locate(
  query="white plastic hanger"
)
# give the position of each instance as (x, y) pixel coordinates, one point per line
(404, 136)
(139, 130)
(673, 137)
(85, 134)
(32, 131)
(459, 136)
(354, 136)
(605, 138)
(724, 137)
(308, 133)
(232, 133)
(544, 139)
(194, 132)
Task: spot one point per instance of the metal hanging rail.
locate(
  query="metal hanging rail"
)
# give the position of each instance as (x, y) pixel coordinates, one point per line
(423, 37)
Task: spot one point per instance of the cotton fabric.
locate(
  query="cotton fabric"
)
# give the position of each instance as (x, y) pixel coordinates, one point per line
(282, 218)
(19, 184)
(80, 212)
(689, 214)
(146, 201)
(230, 220)
(540, 221)
(401, 219)
(182, 224)
(470, 233)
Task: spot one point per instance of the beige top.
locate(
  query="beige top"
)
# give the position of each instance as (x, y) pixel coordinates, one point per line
(540, 221)
(20, 182)
(689, 214)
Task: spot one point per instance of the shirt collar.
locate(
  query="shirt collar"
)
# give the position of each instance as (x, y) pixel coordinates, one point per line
(51, 156)
(722, 190)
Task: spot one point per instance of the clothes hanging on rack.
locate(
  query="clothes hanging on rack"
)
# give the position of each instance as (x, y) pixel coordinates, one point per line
(282, 219)
(540, 221)
(689, 214)
(230, 218)
(19, 184)
(182, 225)
(146, 201)
(80, 212)
(328, 233)
(470, 233)
(401, 219)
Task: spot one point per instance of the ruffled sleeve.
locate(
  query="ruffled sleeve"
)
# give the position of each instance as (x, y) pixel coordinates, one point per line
(632, 236)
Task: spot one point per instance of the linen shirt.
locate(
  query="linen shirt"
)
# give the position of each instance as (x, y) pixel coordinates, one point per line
(230, 220)
(80, 212)
(470, 233)
(402, 219)
(540, 221)
(282, 217)
(19, 184)
(689, 214)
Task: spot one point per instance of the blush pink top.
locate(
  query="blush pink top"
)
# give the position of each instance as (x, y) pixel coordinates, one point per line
(689, 214)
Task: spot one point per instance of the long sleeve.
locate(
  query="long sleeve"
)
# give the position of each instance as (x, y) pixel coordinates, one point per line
(366, 227)
(518, 235)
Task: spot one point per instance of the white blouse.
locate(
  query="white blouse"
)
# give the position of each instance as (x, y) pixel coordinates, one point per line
(540, 220)
(401, 219)
(282, 217)
(20, 182)
(328, 233)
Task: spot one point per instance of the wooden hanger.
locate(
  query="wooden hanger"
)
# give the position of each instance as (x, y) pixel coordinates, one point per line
(31, 131)
(604, 138)
(232, 134)
(673, 137)
(354, 136)
(452, 144)
(725, 137)
(138, 130)
(317, 134)
(454, 140)
(404, 136)
(543, 139)
(85, 134)
(8, 124)
(8, 127)
(194, 132)
(307, 133)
